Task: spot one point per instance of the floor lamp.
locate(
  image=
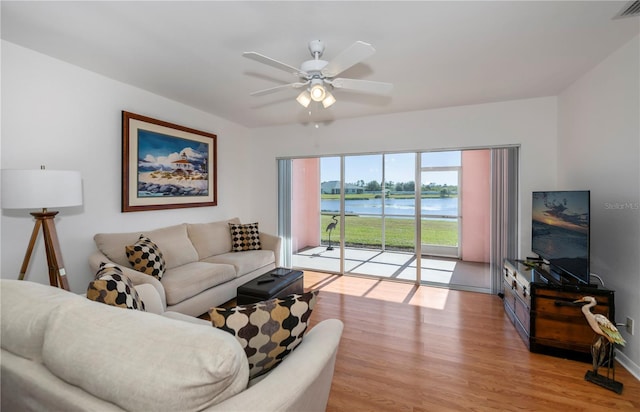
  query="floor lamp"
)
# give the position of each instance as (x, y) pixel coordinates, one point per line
(43, 189)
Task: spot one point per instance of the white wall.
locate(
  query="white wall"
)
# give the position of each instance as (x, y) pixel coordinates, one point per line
(530, 123)
(65, 117)
(599, 149)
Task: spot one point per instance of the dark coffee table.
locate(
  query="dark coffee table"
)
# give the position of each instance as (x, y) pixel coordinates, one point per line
(276, 283)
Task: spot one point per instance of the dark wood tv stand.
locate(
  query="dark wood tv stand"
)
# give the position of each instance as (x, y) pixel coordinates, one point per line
(539, 304)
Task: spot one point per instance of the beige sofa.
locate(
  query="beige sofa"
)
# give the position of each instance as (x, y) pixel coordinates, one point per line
(202, 271)
(63, 352)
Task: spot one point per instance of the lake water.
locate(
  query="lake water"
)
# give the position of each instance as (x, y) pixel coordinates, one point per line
(447, 206)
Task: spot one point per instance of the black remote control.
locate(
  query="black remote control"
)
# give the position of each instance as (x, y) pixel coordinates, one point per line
(260, 282)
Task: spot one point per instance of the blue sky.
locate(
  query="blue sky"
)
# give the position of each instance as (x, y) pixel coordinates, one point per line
(400, 167)
(158, 150)
(157, 144)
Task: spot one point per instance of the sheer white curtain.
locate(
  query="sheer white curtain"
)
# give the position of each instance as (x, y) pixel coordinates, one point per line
(504, 211)
(284, 210)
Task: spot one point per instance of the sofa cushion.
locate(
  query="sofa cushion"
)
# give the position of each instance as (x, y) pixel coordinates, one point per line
(146, 257)
(244, 237)
(268, 331)
(141, 361)
(172, 240)
(211, 239)
(26, 309)
(113, 288)
(112, 245)
(188, 280)
(245, 262)
(175, 243)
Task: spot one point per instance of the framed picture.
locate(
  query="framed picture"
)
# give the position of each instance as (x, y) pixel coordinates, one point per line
(166, 166)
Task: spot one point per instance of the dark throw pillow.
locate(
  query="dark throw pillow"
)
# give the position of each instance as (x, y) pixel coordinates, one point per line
(244, 237)
(268, 331)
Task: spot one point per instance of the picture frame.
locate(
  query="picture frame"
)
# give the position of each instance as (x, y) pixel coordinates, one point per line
(166, 166)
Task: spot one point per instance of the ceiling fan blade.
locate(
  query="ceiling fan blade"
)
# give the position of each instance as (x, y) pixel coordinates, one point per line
(351, 56)
(274, 63)
(364, 86)
(279, 88)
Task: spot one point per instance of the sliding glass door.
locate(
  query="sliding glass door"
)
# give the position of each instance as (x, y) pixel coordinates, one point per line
(400, 202)
(440, 203)
(423, 217)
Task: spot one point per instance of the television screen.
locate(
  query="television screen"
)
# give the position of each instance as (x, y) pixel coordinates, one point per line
(560, 231)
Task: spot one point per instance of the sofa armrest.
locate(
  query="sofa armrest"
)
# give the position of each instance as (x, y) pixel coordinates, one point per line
(302, 381)
(136, 277)
(151, 298)
(186, 318)
(271, 242)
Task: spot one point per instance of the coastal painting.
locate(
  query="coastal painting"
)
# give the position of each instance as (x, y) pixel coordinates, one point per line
(166, 166)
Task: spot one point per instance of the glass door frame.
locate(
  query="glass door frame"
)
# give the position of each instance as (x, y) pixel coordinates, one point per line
(435, 250)
(511, 225)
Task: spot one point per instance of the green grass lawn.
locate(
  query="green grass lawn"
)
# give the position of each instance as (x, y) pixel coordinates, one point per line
(399, 233)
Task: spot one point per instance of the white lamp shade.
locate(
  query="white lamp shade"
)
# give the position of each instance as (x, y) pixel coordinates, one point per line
(304, 98)
(40, 189)
(328, 100)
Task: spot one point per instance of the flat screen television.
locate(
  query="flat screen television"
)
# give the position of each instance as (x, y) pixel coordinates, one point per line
(560, 232)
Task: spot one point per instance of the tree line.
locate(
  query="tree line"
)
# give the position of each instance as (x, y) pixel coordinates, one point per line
(375, 186)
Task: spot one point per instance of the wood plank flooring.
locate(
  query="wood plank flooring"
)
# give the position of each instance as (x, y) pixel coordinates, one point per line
(408, 348)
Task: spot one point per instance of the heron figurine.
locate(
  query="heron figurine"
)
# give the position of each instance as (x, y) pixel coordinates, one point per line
(330, 228)
(607, 335)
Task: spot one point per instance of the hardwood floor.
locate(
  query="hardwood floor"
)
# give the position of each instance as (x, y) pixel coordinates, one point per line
(408, 348)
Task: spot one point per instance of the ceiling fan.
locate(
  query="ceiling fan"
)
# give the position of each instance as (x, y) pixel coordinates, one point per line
(318, 77)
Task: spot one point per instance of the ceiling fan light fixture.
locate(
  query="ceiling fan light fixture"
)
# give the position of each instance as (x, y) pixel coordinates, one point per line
(304, 98)
(318, 77)
(317, 90)
(328, 100)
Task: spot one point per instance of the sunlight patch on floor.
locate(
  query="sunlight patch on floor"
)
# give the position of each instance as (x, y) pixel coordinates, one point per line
(397, 292)
(360, 254)
(427, 275)
(396, 265)
(399, 259)
(380, 269)
(436, 276)
(437, 264)
(430, 297)
(371, 262)
(390, 291)
(339, 284)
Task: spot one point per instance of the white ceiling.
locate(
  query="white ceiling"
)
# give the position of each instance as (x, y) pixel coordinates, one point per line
(437, 54)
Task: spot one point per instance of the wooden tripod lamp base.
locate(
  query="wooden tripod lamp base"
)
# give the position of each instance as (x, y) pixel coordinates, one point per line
(57, 273)
(42, 189)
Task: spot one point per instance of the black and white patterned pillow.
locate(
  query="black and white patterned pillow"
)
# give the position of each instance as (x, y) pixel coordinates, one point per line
(268, 331)
(113, 288)
(145, 256)
(245, 237)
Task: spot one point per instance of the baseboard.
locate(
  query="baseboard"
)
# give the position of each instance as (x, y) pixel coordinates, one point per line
(628, 364)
